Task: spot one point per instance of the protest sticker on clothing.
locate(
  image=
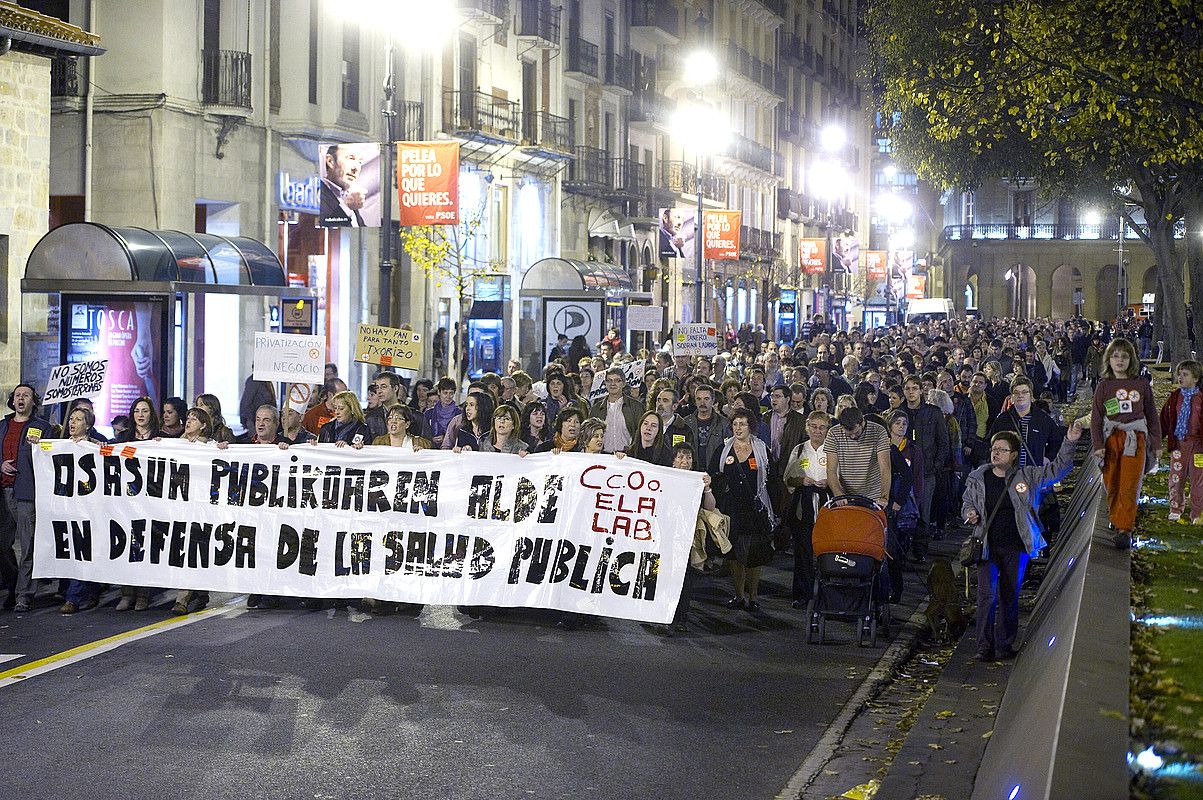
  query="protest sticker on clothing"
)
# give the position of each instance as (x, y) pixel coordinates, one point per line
(388, 347)
(71, 381)
(695, 339)
(289, 357)
(573, 532)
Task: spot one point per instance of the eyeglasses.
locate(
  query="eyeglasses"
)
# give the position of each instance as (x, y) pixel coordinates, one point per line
(1001, 450)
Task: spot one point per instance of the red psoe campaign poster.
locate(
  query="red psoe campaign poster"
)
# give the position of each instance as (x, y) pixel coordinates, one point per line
(875, 265)
(428, 183)
(916, 287)
(812, 256)
(722, 235)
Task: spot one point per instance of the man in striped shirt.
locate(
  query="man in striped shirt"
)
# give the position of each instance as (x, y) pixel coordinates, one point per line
(858, 458)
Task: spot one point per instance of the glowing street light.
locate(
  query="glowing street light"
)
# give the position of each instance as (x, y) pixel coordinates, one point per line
(703, 129)
(832, 138)
(700, 68)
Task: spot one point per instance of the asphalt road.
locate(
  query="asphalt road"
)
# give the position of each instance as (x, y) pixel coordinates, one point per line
(341, 704)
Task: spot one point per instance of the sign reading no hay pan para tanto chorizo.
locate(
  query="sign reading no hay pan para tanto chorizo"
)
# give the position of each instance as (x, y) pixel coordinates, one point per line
(695, 339)
(289, 357)
(78, 379)
(569, 531)
(428, 183)
(388, 347)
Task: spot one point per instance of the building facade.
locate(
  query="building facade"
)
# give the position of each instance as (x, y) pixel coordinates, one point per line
(212, 121)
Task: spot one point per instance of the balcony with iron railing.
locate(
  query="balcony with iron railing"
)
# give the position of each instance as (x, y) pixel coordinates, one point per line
(1108, 230)
(477, 112)
(749, 66)
(758, 242)
(650, 108)
(657, 15)
(750, 152)
(582, 58)
(64, 77)
(793, 205)
(410, 122)
(544, 129)
(539, 20)
(776, 6)
(617, 72)
(628, 177)
(226, 78)
(791, 49)
(681, 177)
(589, 171)
(497, 10)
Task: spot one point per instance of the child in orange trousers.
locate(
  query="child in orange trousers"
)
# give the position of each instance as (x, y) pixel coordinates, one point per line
(1125, 433)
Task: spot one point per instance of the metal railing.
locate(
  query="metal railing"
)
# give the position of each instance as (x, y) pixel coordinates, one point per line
(546, 129)
(650, 107)
(539, 19)
(64, 77)
(628, 176)
(499, 9)
(759, 72)
(750, 152)
(1104, 230)
(582, 57)
(226, 78)
(477, 111)
(409, 123)
(589, 169)
(618, 71)
(682, 177)
(656, 14)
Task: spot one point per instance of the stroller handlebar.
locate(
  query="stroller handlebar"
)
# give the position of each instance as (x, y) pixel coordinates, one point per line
(853, 500)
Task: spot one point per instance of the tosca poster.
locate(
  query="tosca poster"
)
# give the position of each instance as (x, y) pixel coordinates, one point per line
(428, 183)
(812, 256)
(722, 235)
(569, 531)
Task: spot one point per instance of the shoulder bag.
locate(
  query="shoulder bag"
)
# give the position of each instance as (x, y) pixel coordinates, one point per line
(971, 548)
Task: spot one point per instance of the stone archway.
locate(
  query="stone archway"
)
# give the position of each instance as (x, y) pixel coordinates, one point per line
(1067, 281)
(971, 292)
(1021, 292)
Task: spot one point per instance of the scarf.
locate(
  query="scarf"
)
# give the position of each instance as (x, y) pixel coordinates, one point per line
(1184, 412)
(564, 444)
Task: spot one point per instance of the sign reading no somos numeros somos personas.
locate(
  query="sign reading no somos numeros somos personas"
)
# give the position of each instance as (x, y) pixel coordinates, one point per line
(81, 379)
(388, 347)
(288, 357)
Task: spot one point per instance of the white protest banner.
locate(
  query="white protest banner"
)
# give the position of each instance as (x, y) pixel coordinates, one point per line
(388, 347)
(569, 531)
(70, 381)
(695, 339)
(632, 372)
(645, 318)
(289, 357)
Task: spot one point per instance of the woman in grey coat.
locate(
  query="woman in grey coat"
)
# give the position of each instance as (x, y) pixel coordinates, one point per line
(1011, 536)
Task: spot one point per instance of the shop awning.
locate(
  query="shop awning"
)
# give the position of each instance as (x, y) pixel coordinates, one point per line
(605, 224)
(486, 309)
(570, 275)
(88, 251)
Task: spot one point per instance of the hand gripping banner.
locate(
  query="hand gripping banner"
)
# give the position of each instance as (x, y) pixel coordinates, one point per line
(574, 532)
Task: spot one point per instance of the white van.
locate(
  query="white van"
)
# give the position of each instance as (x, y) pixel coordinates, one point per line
(925, 309)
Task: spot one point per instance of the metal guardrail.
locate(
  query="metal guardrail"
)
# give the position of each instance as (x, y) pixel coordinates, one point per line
(64, 77)
(478, 111)
(656, 14)
(1062, 726)
(547, 129)
(582, 57)
(539, 19)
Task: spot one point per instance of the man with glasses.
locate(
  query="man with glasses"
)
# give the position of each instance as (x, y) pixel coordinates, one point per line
(1039, 435)
(385, 386)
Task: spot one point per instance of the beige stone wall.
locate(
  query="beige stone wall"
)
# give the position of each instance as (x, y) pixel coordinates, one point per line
(24, 187)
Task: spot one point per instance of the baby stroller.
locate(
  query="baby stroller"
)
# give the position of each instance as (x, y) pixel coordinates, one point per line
(850, 548)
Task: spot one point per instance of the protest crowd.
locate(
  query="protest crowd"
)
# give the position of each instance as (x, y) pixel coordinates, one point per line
(952, 426)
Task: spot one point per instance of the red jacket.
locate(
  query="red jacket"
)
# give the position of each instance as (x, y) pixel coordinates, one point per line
(1169, 417)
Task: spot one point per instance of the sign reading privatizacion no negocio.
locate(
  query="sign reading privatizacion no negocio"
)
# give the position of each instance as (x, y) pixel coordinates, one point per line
(289, 357)
(78, 379)
(388, 347)
(428, 183)
(695, 339)
(568, 531)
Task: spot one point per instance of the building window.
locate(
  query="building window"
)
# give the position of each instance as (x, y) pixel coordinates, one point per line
(315, 11)
(350, 70)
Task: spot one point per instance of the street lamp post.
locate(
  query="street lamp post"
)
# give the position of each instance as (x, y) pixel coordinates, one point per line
(421, 26)
(828, 180)
(703, 129)
(700, 69)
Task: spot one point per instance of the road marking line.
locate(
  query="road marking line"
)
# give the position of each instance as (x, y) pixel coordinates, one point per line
(86, 651)
(10, 656)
